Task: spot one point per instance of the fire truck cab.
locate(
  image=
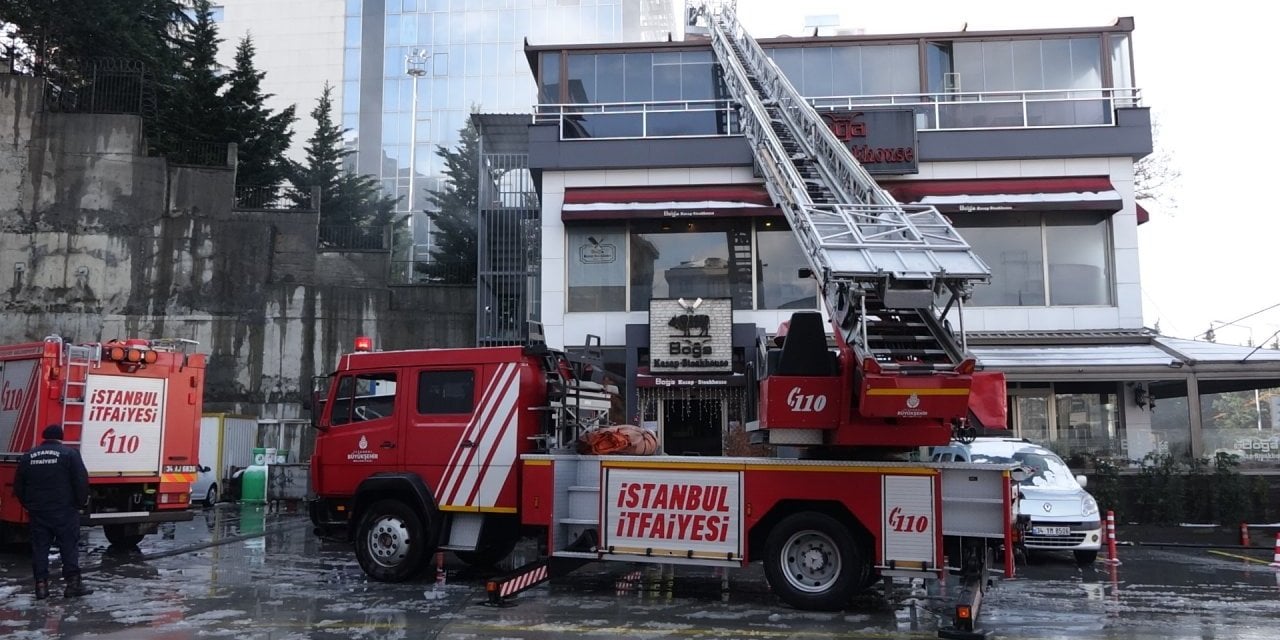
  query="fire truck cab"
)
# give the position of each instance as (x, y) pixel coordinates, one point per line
(422, 446)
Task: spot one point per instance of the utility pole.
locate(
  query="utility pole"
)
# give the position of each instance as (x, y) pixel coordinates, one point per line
(415, 65)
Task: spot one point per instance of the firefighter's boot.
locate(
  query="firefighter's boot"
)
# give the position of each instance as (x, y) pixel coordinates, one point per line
(42, 589)
(75, 588)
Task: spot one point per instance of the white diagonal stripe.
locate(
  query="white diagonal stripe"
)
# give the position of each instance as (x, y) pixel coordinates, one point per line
(459, 460)
(488, 439)
(499, 468)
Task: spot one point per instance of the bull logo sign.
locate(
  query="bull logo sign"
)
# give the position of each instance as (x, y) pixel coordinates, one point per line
(690, 335)
(690, 321)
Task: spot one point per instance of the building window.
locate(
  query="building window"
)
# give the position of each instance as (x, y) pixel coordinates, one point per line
(690, 260)
(549, 82)
(1078, 252)
(860, 70)
(1087, 421)
(778, 264)
(641, 77)
(446, 392)
(698, 259)
(597, 268)
(1075, 420)
(1242, 423)
(1051, 259)
(1071, 66)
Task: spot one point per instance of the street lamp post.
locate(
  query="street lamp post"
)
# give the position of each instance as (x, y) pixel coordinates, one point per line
(415, 65)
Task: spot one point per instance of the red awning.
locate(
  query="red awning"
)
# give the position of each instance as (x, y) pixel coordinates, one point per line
(1093, 193)
(1143, 215)
(681, 201)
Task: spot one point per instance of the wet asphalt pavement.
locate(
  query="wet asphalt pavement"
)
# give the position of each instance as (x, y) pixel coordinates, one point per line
(238, 572)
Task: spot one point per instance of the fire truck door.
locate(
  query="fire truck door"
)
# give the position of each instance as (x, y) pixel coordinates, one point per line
(465, 433)
(364, 433)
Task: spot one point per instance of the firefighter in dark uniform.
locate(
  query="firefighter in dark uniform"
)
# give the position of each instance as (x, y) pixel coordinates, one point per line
(53, 486)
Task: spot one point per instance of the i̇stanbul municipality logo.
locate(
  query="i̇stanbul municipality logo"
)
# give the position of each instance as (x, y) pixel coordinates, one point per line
(362, 455)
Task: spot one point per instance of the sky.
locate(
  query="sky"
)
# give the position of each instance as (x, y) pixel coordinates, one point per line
(1213, 256)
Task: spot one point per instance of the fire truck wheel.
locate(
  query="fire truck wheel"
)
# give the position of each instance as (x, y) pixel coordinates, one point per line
(812, 562)
(120, 535)
(391, 543)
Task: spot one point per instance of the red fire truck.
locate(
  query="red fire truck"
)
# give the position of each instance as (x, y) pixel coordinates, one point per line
(132, 407)
(467, 449)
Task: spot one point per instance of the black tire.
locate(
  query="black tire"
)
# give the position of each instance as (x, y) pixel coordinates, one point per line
(120, 535)
(211, 496)
(812, 562)
(391, 542)
(497, 539)
(1085, 558)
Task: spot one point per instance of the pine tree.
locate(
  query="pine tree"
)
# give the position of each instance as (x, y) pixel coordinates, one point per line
(453, 249)
(194, 110)
(67, 40)
(65, 36)
(262, 137)
(353, 209)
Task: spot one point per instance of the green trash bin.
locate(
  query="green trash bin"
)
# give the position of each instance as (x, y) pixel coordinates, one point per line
(253, 482)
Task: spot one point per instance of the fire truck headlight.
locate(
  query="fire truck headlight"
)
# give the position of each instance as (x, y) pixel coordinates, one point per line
(116, 353)
(1088, 506)
(133, 355)
(149, 357)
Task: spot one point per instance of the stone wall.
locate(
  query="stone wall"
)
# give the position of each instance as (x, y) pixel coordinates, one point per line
(99, 241)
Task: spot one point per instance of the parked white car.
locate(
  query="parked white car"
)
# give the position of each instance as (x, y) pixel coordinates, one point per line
(205, 488)
(1064, 517)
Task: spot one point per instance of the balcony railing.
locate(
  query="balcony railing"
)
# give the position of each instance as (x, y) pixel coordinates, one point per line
(949, 111)
(1038, 109)
(665, 119)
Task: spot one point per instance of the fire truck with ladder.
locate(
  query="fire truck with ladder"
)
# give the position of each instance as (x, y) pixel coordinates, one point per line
(467, 450)
(132, 408)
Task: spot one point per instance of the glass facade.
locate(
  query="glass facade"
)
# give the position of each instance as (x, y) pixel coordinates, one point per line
(472, 59)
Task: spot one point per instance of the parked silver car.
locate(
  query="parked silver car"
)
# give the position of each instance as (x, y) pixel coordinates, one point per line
(1064, 517)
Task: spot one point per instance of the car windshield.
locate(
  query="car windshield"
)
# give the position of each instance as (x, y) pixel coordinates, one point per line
(1047, 470)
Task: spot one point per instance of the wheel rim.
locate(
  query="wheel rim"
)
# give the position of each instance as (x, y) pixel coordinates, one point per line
(212, 498)
(811, 561)
(388, 541)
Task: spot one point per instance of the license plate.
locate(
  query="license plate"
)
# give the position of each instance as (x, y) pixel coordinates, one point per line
(1050, 531)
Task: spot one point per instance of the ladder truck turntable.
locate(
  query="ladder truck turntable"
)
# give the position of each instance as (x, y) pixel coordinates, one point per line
(467, 450)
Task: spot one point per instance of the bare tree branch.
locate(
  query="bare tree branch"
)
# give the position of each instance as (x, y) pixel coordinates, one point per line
(1155, 175)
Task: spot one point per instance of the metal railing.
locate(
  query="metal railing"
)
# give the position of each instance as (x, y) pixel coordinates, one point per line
(433, 272)
(959, 110)
(660, 119)
(276, 198)
(108, 85)
(353, 238)
(201, 154)
(948, 111)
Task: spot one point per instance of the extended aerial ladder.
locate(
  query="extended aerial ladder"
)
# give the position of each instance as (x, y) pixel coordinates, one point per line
(881, 266)
(901, 378)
